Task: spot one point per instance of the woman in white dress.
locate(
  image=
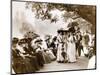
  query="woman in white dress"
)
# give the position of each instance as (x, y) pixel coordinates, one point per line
(71, 50)
(59, 56)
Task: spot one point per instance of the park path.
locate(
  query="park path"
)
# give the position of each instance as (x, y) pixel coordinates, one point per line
(81, 63)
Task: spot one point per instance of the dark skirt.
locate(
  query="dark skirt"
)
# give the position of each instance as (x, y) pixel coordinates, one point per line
(54, 52)
(40, 59)
(18, 65)
(34, 62)
(27, 65)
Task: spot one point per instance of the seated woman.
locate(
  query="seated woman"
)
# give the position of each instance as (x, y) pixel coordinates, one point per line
(54, 44)
(30, 60)
(51, 50)
(18, 64)
(41, 51)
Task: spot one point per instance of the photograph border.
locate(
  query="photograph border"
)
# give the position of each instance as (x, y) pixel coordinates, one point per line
(54, 3)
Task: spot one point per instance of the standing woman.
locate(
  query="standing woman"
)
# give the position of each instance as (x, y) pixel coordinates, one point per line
(85, 43)
(60, 47)
(71, 49)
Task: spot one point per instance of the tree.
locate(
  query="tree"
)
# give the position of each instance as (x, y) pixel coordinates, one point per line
(85, 11)
(31, 34)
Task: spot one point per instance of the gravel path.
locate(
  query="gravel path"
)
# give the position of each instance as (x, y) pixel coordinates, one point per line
(81, 63)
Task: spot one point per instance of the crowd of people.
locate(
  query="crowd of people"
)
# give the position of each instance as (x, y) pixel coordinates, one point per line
(29, 55)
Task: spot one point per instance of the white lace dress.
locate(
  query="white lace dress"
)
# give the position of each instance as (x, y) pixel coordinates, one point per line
(71, 50)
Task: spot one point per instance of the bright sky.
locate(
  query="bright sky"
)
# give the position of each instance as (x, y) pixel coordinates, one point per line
(21, 14)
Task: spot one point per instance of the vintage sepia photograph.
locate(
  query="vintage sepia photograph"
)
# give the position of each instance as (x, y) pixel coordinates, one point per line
(52, 37)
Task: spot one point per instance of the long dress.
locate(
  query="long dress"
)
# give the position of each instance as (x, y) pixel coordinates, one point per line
(92, 63)
(48, 51)
(30, 61)
(45, 55)
(59, 50)
(40, 56)
(71, 50)
(17, 62)
(50, 54)
(85, 41)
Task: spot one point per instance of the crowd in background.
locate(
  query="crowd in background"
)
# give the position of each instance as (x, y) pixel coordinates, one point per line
(29, 55)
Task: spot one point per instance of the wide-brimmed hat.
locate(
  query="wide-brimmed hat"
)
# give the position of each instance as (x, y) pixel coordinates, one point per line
(62, 30)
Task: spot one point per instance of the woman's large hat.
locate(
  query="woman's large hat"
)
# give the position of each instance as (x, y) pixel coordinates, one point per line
(62, 30)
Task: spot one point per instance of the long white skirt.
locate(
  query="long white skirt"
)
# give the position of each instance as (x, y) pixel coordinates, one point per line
(71, 52)
(91, 64)
(59, 51)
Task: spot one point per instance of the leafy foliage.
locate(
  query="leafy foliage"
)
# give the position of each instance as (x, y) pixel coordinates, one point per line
(42, 11)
